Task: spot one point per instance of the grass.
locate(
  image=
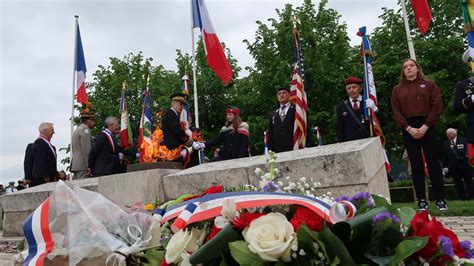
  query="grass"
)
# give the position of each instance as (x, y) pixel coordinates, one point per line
(455, 208)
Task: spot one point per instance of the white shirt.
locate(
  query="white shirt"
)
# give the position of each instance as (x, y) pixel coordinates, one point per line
(285, 108)
(358, 100)
(10, 190)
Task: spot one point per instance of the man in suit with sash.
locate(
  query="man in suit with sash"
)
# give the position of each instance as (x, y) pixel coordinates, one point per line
(44, 156)
(104, 158)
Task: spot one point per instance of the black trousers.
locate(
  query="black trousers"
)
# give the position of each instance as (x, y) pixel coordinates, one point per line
(459, 174)
(427, 145)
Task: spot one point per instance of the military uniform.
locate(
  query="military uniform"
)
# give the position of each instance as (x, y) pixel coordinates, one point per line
(81, 147)
(464, 103)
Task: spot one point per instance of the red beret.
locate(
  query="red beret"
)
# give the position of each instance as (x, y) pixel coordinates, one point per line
(233, 109)
(353, 80)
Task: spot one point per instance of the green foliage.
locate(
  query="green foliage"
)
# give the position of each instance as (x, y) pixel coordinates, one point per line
(408, 247)
(328, 60)
(241, 253)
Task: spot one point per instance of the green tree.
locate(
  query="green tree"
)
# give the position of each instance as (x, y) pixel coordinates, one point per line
(326, 52)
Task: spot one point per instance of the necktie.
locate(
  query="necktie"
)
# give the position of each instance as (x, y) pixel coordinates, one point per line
(354, 105)
(282, 113)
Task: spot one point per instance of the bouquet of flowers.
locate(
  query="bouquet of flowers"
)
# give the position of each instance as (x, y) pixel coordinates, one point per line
(284, 223)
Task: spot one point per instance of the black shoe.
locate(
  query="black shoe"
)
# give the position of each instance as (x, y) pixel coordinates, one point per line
(422, 205)
(442, 206)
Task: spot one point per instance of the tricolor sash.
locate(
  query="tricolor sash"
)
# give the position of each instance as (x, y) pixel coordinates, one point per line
(38, 236)
(111, 141)
(210, 206)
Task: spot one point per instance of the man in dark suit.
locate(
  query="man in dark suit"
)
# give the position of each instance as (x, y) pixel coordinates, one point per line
(104, 157)
(455, 163)
(351, 124)
(44, 156)
(282, 123)
(28, 162)
(173, 134)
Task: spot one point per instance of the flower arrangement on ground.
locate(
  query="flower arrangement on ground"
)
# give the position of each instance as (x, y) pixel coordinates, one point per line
(285, 223)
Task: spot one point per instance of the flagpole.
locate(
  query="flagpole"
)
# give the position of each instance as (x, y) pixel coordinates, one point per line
(76, 17)
(411, 47)
(196, 112)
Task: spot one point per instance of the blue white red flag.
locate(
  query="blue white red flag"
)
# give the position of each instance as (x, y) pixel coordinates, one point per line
(215, 56)
(80, 70)
(38, 235)
(370, 90)
(298, 94)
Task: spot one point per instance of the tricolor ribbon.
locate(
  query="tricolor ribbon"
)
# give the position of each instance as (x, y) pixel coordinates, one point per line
(38, 236)
(210, 206)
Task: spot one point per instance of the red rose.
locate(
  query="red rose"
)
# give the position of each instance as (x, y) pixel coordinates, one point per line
(423, 226)
(163, 262)
(245, 219)
(306, 216)
(213, 189)
(214, 231)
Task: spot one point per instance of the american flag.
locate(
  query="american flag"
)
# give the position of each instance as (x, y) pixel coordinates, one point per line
(298, 94)
(370, 91)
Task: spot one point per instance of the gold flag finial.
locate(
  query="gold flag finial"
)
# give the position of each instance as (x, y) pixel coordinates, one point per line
(124, 85)
(148, 81)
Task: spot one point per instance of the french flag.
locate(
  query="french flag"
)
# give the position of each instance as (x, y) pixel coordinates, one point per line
(80, 70)
(215, 56)
(38, 236)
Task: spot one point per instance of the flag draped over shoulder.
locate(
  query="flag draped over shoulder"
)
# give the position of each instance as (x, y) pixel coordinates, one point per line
(215, 56)
(125, 130)
(299, 94)
(80, 70)
(370, 90)
(422, 12)
(468, 14)
(146, 126)
(183, 117)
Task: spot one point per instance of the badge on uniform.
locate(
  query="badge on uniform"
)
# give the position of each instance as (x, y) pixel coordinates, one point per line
(422, 85)
(344, 113)
(460, 146)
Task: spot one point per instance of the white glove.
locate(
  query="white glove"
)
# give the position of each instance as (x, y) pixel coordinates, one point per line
(137, 155)
(445, 171)
(120, 156)
(196, 145)
(370, 104)
(188, 132)
(472, 98)
(202, 145)
(184, 152)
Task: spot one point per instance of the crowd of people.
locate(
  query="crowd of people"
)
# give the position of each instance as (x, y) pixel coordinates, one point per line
(416, 104)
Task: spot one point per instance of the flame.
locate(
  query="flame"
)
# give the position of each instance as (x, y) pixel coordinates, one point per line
(157, 152)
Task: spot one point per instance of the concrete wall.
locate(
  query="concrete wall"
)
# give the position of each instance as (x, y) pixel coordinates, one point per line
(342, 169)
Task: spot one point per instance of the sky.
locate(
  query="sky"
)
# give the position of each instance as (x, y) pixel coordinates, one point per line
(37, 44)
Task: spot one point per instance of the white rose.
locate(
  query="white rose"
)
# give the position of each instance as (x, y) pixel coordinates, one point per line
(271, 237)
(182, 241)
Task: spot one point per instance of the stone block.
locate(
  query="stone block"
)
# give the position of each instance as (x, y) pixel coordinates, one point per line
(342, 168)
(129, 188)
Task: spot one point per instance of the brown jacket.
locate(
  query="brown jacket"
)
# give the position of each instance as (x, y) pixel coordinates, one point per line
(416, 98)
